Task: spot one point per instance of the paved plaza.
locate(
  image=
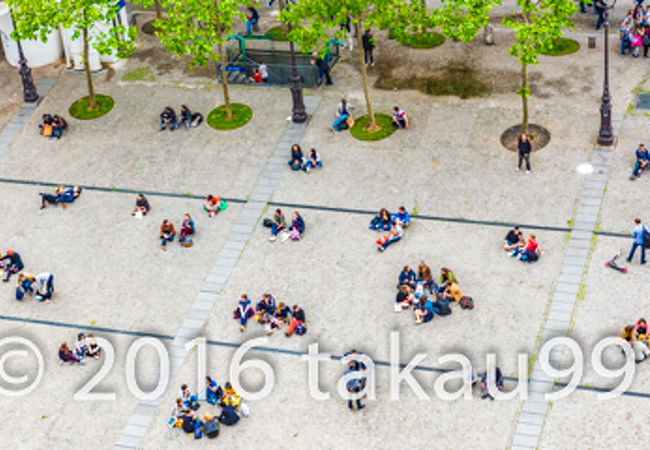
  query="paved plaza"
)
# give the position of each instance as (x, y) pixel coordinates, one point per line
(448, 168)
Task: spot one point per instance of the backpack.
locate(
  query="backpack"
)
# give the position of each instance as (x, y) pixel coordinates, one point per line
(188, 424)
(211, 428)
(20, 293)
(646, 237)
(188, 242)
(198, 430)
(301, 329)
(466, 302)
(47, 130)
(268, 223)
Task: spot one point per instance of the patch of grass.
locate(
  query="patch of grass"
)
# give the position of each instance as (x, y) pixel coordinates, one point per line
(139, 74)
(79, 109)
(241, 114)
(629, 108)
(276, 34)
(415, 208)
(360, 130)
(421, 40)
(570, 223)
(563, 47)
(582, 291)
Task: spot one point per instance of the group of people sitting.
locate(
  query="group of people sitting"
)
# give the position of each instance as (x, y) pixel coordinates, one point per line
(412, 287)
(184, 415)
(635, 31)
(85, 347)
(278, 225)
(168, 118)
(637, 336)
(168, 232)
(520, 248)
(42, 285)
(344, 118)
(52, 126)
(61, 196)
(300, 161)
(395, 224)
(260, 73)
(271, 315)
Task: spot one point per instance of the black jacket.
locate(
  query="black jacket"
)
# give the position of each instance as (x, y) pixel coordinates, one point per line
(524, 147)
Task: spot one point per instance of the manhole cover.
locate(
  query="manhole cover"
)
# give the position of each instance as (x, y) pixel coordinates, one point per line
(643, 101)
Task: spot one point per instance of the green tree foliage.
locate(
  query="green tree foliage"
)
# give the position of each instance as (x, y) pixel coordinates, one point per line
(538, 26)
(193, 27)
(37, 19)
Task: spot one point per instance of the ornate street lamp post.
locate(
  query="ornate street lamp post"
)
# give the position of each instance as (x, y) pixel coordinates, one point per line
(299, 114)
(30, 95)
(606, 135)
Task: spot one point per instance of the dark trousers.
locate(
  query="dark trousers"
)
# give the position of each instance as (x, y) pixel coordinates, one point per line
(645, 50)
(525, 156)
(633, 249)
(601, 19)
(328, 78)
(367, 55)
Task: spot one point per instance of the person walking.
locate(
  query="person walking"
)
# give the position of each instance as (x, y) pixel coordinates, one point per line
(368, 46)
(640, 234)
(524, 148)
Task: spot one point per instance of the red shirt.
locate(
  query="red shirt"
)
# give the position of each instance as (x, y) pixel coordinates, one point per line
(258, 78)
(532, 245)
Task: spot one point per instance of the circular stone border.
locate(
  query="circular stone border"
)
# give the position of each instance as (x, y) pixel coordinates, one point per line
(538, 135)
(105, 104)
(241, 115)
(565, 46)
(384, 121)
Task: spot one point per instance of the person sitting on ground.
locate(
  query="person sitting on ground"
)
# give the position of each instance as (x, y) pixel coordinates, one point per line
(228, 415)
(381, 222)
(312, 162)
(446, 277)
(190, 400)
(177, 412)
(257, 76)
(185, 117)
(187, 228)
(213, 392)
(426, 277)
(230, 396)
(243, 312)
(279, 224)
(297, 227)
(342, 116)
(52, 199)
(13, 265)
(452, 291)
(399, 118)
(70, 195)
(188, 421)
(404, 297)
(423, 311)
(396, 233)
(66, 355)
(498, 381)
(252, 17)
(279, 318)
(58, 125)
(513, 239)
(441, 305)
(531, 251)
(402, 216)
(46, 125)
(141, 205)
(80, 346)
(168, 119)
(266, 304)
(407, 277)
(44, 287)
(297, 158)
(264, 71)
(93, 349)
(297, 323)
(212, 205)
(24, 285)
(167, 233)
(642, 159)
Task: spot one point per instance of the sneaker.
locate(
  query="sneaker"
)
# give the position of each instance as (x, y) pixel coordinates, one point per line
(308, 169)
(164, 248)
(272, 238)
(528, 171)
(362, 406)
(372, 64)
(517, 169)
(242, 328)
(633, 177)
(285, 236)
(380, 248)
(332, 129)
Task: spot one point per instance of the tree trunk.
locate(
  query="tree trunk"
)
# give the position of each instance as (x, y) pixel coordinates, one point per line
(159, 10)
(281, 8)
(524, 97)
(89, 76)
(364, 74)
(223, 59)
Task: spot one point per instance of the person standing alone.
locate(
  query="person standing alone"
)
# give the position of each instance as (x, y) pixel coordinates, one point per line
(524, 148)
(640, 234)
(368, 46)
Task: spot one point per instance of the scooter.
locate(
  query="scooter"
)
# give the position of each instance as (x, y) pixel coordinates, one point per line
(612, 263)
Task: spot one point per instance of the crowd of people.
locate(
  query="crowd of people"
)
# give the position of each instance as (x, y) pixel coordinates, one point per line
(52, 126)
(634, 31)
(637, 336)
(272, 315)
(394, 224)
(84, 347)
(169, 120)
(184, 413)
(41, 286)
(307, 163)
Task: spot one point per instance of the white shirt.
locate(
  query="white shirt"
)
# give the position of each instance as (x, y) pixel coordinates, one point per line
(264, 71)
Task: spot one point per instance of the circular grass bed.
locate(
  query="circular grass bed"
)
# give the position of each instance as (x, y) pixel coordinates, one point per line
(421, 40)
(276, 34)
(79, 109)
(360, 130)
(563, 47)
(241, 114)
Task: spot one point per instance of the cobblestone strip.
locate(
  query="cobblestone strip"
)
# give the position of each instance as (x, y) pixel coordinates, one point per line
(17, 122)
(533, 412)
(198, 314)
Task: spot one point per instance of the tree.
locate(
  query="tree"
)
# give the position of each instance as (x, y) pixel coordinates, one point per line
(193, 27)
(538, 28)
(38, 18)
(157, 6)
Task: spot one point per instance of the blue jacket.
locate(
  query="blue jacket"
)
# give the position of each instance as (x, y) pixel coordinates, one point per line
(637, 233)
(642, 155)
(404, 218)
(228, 416)
(406, 278)
(299, 224)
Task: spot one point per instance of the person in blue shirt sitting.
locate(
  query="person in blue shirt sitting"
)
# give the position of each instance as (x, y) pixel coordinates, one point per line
(641, 163)
(407, 277)
(403, 216)
(382, 222)
(424, 311)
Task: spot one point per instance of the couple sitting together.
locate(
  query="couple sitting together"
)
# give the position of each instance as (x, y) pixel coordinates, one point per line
(169, 120)
(395, 225)
(299, 161)
(61, 196)
(526, 251)
(52, 126)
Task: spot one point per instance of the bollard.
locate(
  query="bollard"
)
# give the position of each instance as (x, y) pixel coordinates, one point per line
(489, 35)
(591, 41)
